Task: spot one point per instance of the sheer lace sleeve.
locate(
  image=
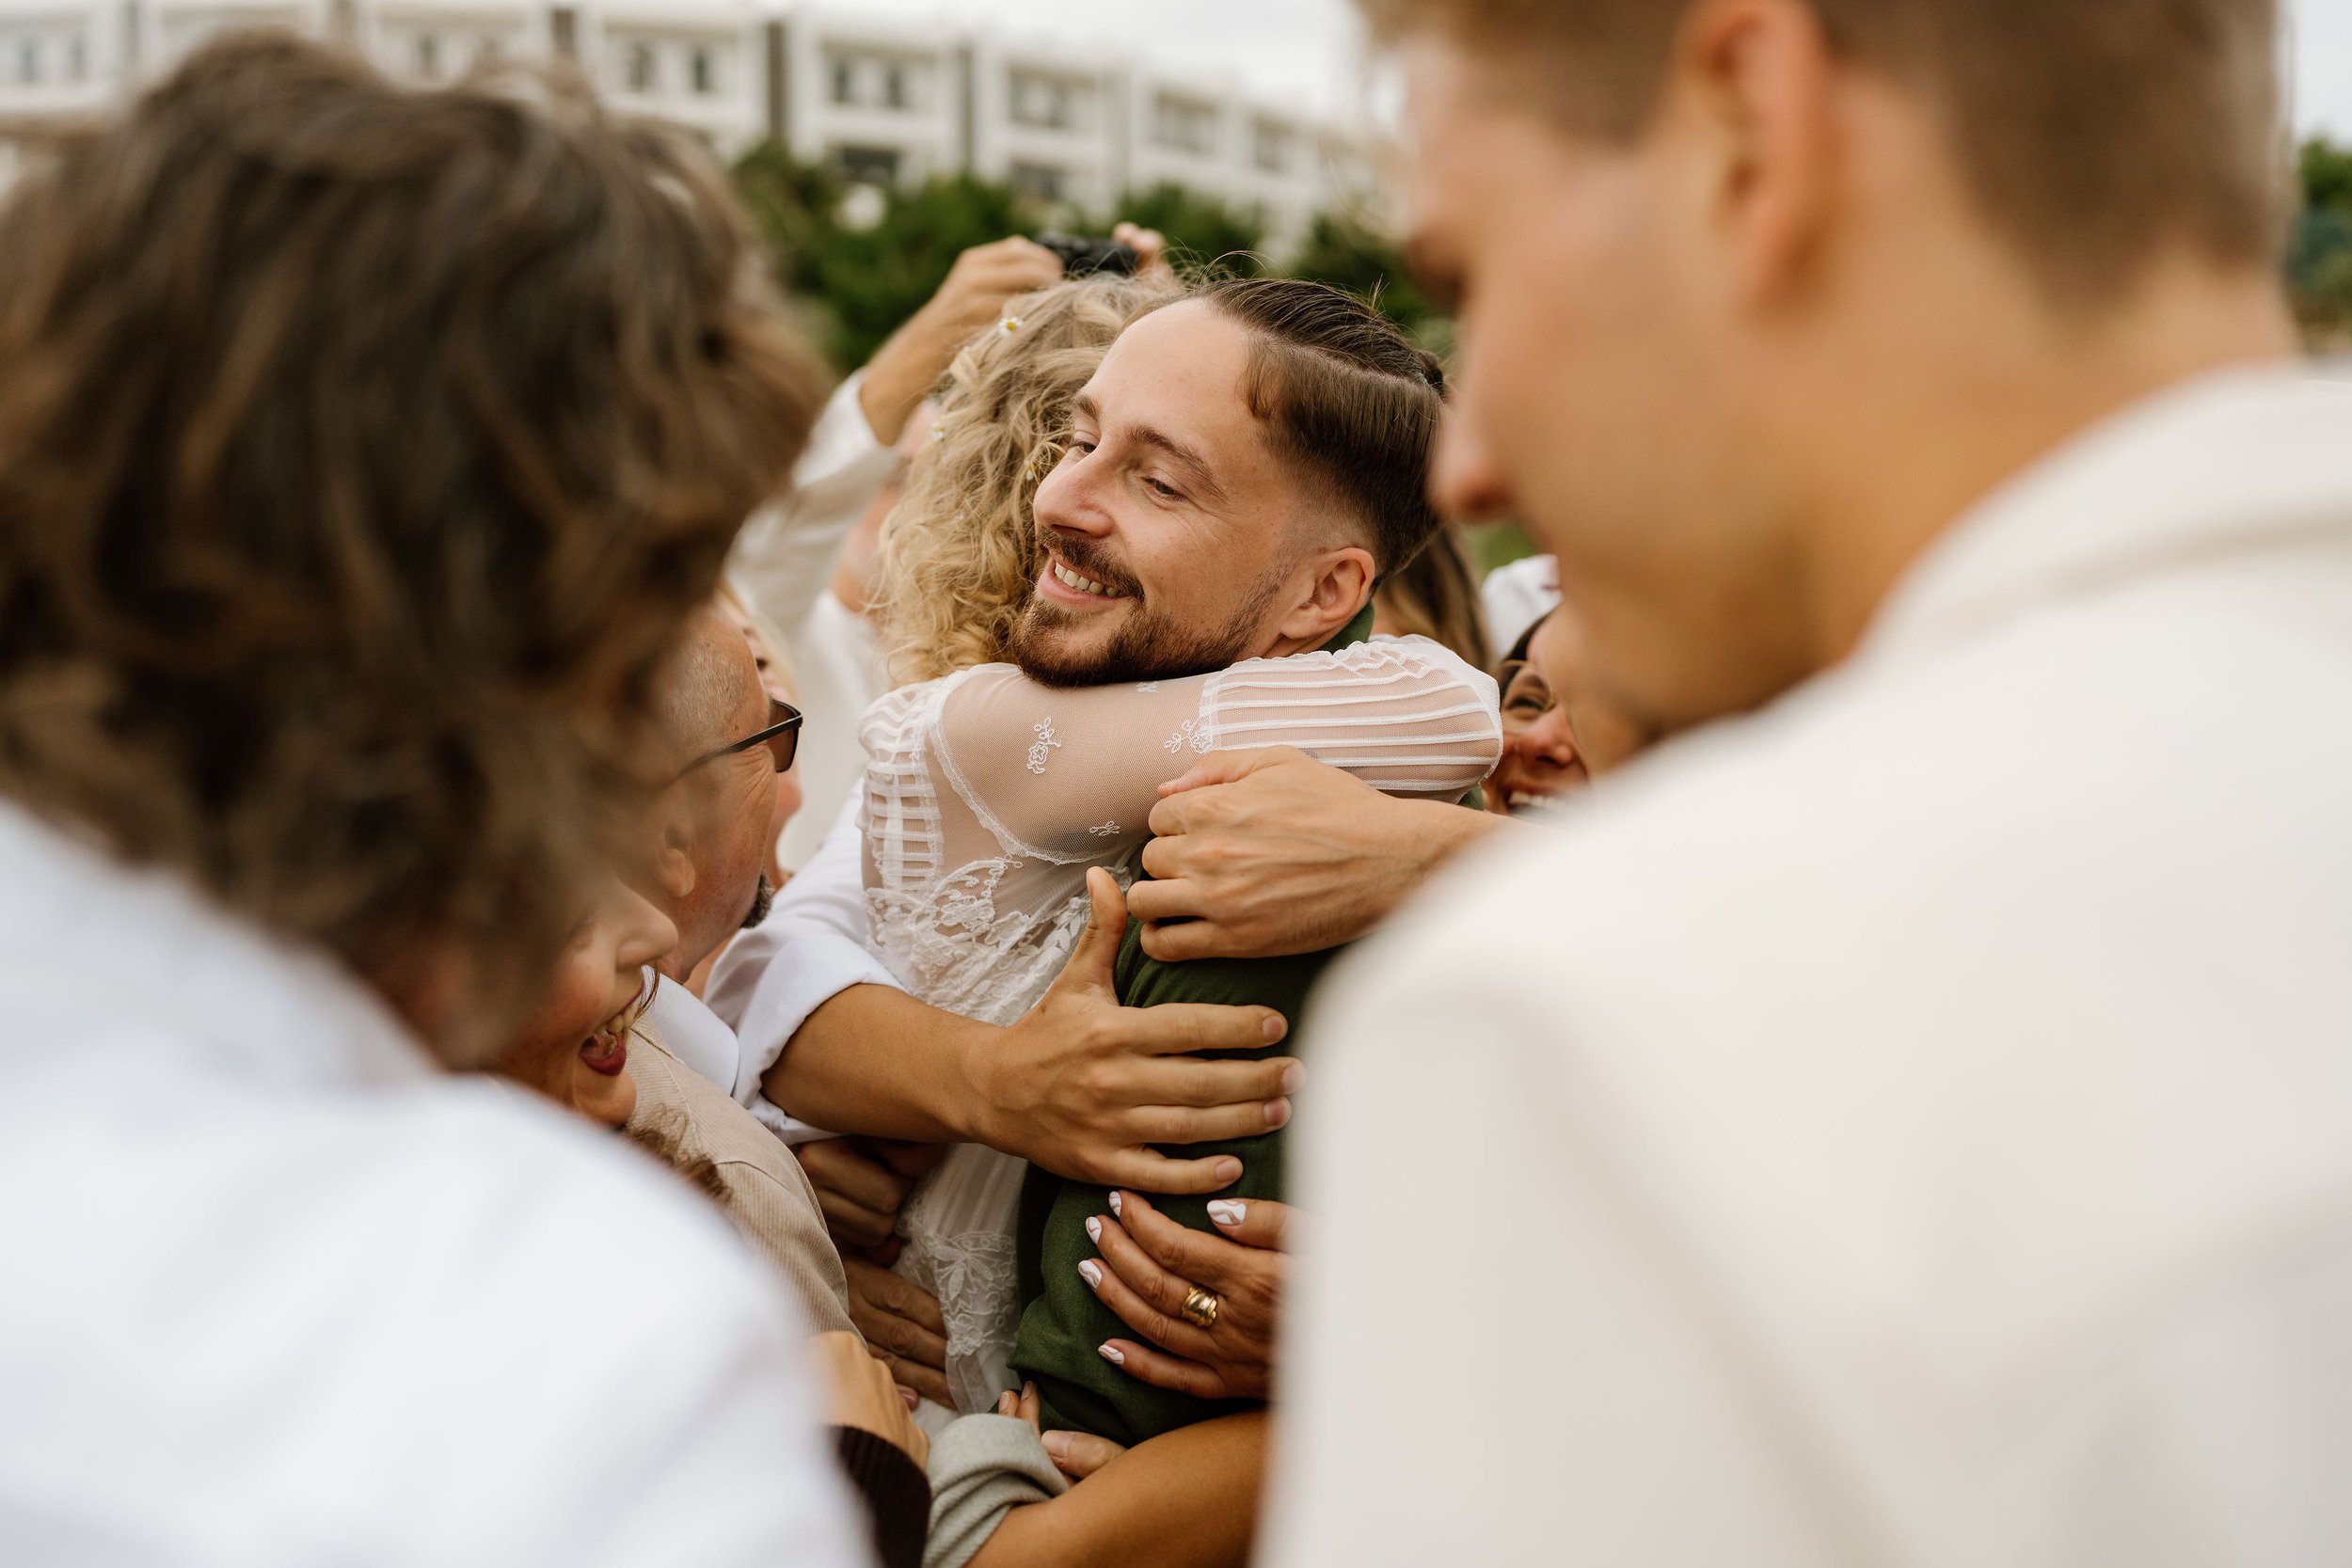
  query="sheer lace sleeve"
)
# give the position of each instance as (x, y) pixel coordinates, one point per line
(1070, 774)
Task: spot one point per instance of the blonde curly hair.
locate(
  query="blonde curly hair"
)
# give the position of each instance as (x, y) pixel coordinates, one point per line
(958, 553)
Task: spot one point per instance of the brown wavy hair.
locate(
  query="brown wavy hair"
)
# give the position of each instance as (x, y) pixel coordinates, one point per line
(362, 450)
(959, 554)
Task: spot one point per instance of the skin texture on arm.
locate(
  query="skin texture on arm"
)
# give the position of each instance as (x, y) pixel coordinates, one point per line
(1189, 1499)
(1268, 853)
(1081, 1085)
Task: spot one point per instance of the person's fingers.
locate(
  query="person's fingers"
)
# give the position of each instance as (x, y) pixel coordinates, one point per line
(838, 1166)
(1179, 942)
(900, 1334)
(851, 1224)
(1187, 1255)
(1163, 1370)
(910, 1161)
(1215, 1124)
(1008, 1403)
(1150, 246)
(1155, 1172)
(1029, 1406)
(1258, 1222)
(1090, 969)
(1158, 1325)
(1220, 767)
(1169, 895)
(1181, 1081)
(1079, 1454)
(1183, 1028)
(931, 1385)
(896, 1295)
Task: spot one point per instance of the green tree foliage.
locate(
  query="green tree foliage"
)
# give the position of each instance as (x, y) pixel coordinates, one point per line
(859, 284)
(1348, 253)
(2321, 262)
(1202, 233)
(870, 281)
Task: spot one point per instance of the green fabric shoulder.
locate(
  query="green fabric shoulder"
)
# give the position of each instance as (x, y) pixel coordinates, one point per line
(1062, 1324)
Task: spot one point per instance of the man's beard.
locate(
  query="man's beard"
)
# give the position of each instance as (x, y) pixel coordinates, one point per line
(762, 900)
(1145, 647)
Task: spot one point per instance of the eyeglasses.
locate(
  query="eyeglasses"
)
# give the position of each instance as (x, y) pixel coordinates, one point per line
(782, 737)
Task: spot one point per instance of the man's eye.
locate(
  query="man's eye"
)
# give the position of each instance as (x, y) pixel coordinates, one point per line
(1166, 493)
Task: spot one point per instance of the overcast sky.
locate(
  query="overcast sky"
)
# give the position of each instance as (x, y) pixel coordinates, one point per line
(1306, 51)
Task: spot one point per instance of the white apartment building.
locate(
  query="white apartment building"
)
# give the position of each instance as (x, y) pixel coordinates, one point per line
(884, 102)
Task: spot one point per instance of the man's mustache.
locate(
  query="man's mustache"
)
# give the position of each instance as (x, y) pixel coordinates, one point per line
(1088, 558)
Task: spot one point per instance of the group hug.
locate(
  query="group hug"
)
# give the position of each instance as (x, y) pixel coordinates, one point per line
(617, 953)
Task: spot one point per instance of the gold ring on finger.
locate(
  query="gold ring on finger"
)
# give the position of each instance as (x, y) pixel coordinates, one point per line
(1199, 1309)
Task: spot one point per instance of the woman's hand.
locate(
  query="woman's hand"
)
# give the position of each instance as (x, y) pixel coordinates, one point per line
(865, 1396)
(1153, 1263)
(1075, 1454)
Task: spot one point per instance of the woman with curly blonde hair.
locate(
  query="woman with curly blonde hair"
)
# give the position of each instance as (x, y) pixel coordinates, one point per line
(959, 556)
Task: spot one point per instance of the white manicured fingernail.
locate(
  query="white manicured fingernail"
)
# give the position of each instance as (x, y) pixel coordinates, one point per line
(1091, 1272)
(1228, 1212)
(1094, 1231)
(1115, 1205)
(1113, 1354)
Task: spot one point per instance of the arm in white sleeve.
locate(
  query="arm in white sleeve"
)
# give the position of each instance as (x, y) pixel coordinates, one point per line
(1070, 773)
(813, 945)
(787, 553)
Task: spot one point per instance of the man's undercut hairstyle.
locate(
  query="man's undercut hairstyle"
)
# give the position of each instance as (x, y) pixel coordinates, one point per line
(2096, 135)
(363, 452)
(1346, 397)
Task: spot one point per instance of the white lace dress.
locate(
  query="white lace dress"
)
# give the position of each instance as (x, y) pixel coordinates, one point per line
(989, 796)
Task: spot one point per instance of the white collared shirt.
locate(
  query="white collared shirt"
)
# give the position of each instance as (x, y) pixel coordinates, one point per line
(273, 1289)
(1911, 1126)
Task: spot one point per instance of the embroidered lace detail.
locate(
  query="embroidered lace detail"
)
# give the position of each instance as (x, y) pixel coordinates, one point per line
(960, 1229)
(1046, 745)
(1105, 830)
(1147, 688)
(1189, 732)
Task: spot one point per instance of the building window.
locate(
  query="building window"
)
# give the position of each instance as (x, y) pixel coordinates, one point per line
(643, 70)
(1184, 124)
(868, 165)
(77, 58)
(1271, 146)
(428, 56)
(705, 72)
(844, 80)
(895, 87)
(1046, 182)
(487, 51)
(1044, 101)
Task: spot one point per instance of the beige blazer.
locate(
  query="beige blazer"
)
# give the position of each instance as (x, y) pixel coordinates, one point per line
(716, 1143)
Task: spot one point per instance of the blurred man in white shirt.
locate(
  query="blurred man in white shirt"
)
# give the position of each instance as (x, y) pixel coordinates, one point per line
(1911, 1114)
(363, 452)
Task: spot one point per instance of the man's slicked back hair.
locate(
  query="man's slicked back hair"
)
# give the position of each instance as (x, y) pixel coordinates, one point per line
(1349, 398)
(2097, 135)
(361, 452)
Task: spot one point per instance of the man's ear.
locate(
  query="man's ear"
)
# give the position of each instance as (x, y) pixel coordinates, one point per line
(672, 867)
(1753, 84)
(1341, 587)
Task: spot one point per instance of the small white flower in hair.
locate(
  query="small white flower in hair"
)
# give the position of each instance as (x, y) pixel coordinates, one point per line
(1010, 323)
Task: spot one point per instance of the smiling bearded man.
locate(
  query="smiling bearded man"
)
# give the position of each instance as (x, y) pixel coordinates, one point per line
(1243, 468)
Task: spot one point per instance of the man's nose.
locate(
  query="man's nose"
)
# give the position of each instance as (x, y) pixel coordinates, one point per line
(1464, 482)
(1068, 501)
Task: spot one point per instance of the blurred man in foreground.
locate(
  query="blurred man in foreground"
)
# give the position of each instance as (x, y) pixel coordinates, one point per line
(1915, 1110)
(361, 454)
